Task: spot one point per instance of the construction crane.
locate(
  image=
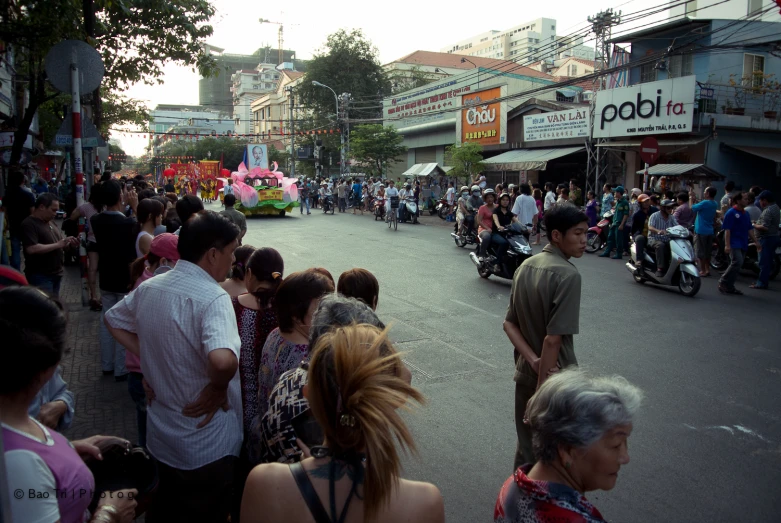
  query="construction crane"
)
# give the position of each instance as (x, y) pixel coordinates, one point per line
(281, 39)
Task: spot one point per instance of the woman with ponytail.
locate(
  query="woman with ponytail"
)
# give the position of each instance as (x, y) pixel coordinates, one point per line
(355, 386)
(256, 317)
(235, 285)
(150, 216)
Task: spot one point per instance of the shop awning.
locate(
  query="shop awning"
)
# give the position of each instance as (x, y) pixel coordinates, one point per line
(424, 169)
(769, 153)
(528, 159)
(687, 170)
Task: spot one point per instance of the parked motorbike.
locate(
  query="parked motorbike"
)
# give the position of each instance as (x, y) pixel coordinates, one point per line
(596, 237)
(443, 208)
(470, 238)
(431, 206)
(682, 272)
(379, 209)
(516, 254)
(720, 260)
(328, 204)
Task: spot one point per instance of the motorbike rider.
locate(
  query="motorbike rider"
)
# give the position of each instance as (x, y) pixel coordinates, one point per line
(404, 195)
(485, 221)
(658, 239)
(473, 203)
(615, 236)
(503, 219)
(640, 226)
(390, 192)
(461, 211)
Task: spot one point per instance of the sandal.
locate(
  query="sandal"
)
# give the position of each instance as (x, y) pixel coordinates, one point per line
(759, 287)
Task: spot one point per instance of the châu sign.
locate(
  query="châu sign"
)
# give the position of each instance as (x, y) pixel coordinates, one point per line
(645, 109)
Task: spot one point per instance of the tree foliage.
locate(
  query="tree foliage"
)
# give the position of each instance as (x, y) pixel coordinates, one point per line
(467, 160)
(349, 63)
(376, 147)
(136, 38)
(412, 79)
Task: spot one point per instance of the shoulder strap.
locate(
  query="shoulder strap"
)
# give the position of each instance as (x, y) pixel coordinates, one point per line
(309, 494)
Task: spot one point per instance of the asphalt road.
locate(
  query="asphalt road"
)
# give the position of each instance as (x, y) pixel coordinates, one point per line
(706, 445)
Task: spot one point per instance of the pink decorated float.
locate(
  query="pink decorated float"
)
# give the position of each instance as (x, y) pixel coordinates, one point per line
(263, 191)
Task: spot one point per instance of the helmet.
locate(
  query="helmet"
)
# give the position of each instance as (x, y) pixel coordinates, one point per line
(464, 188)
(504, 195)
(489, 191)
(382, 186)
(667, 203)
(511, 186)
(636, 191)
(643, 198)
(475, 188)
(408, 185)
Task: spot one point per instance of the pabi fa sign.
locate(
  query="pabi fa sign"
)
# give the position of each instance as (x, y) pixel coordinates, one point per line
(571, 123)
(660, 107)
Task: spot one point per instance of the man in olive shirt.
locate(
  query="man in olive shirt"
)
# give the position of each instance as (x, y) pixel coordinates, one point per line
(235, 216)
(43, 244)
(543, 313)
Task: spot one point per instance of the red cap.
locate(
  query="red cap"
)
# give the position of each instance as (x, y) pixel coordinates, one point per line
(166, 246)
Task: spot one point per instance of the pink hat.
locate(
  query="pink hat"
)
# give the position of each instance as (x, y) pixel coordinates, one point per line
(165, 246)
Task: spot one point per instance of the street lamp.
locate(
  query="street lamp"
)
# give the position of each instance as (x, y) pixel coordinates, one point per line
(336, 99)
(464, 60)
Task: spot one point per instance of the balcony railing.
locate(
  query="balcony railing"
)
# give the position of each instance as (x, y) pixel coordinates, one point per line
(739, 100)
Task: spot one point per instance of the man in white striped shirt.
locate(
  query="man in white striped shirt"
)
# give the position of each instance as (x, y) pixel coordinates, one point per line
(183, 327)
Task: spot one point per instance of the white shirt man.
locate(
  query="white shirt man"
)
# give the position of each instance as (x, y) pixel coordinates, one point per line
(525, 209)
(550, 200)
(482, 183)
(405, 194)
(451, 195)
(228, 189)
(375, 187)
(390, 192)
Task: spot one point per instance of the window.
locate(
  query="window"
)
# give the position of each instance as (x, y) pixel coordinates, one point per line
(255, 86)
(276, 77)
(553, 28)
(680, 65)
(268, 86)
(572, 70)
(753, 68)
(648, 73)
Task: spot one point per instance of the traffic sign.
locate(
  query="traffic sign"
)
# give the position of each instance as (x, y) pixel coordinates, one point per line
(649, 150)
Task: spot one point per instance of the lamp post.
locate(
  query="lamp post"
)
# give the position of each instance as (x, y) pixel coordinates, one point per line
(336, 99)
(464, 60)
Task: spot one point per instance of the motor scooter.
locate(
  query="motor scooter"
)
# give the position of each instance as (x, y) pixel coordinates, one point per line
(443, 208)
(596, 237)
(379, 209)
(328, 204)
(720, 260)
(411, 211)
(470, 238)
(518, 251)
(681, 273)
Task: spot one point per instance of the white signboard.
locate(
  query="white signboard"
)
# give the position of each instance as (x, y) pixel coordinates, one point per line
(571, 123)
(660, 107)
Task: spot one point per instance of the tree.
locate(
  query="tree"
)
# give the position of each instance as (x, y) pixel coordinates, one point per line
(377, 147)
(120, 157)
(136, 38)
(414, 78)
(467, 160)
(348, 64)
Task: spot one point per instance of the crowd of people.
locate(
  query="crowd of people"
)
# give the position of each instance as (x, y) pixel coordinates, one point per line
(263, 395)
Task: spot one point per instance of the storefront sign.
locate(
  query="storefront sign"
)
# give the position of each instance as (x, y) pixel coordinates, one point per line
(571, 123)
(660, 107)
(481, 119)
(428, 103)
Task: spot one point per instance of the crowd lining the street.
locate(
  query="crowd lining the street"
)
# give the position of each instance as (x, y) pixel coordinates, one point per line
(266, 396)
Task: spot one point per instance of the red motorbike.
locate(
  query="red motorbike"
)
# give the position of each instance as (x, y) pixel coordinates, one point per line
(596, 238)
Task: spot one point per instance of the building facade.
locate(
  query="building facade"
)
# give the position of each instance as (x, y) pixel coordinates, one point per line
(526, 42)
(169, 122)
(248, 86)
(271, 112)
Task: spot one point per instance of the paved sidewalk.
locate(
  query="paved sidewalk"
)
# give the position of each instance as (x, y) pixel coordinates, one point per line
(103, 406)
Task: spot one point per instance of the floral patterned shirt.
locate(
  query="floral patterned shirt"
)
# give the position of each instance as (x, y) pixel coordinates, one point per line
(254, 328)
(524, 500)
(278, 357)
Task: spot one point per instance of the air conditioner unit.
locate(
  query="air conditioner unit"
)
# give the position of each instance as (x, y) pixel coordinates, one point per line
(587, 96)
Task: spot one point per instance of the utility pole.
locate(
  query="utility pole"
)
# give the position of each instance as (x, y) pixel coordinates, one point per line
(601, 24)
(345, 100)
(290, 96)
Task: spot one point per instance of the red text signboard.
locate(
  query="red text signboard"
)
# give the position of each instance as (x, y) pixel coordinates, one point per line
(649, 150)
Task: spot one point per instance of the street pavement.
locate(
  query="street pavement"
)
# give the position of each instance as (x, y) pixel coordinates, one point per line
(706, 445)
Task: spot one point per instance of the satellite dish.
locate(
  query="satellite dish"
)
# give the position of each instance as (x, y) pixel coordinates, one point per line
(74, 52)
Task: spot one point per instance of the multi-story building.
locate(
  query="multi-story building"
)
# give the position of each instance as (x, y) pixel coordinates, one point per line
(248, 86)
(720, 10)
(166, 121)
(526, 42)
(215, 92)
(271, 111)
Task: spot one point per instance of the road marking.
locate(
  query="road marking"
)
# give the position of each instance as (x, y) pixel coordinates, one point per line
(476, 308)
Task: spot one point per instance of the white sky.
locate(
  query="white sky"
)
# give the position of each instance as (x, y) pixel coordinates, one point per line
(400, 28)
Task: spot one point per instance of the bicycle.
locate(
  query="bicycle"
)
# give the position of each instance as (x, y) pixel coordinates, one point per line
(393, 215)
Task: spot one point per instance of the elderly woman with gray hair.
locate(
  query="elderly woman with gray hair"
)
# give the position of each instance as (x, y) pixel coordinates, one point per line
(288, 427)
(580, 426)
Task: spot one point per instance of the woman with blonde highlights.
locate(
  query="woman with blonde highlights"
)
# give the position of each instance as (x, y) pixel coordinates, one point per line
(355, 385)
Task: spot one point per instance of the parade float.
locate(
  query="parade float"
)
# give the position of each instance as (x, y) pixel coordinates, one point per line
(263, 191)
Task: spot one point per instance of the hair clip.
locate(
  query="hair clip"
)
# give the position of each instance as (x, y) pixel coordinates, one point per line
(239, 264)
(276, 275)
(347, 420)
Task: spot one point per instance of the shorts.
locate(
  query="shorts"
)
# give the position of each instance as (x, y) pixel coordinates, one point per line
(703, 246)
(92, 246)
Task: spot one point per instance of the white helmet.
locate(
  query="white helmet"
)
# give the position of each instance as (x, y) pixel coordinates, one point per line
(475, 188)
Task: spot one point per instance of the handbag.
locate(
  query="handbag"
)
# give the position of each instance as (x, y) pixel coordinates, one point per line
(123, 467)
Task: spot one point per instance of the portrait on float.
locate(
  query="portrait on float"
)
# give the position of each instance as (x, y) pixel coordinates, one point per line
(256, 156)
